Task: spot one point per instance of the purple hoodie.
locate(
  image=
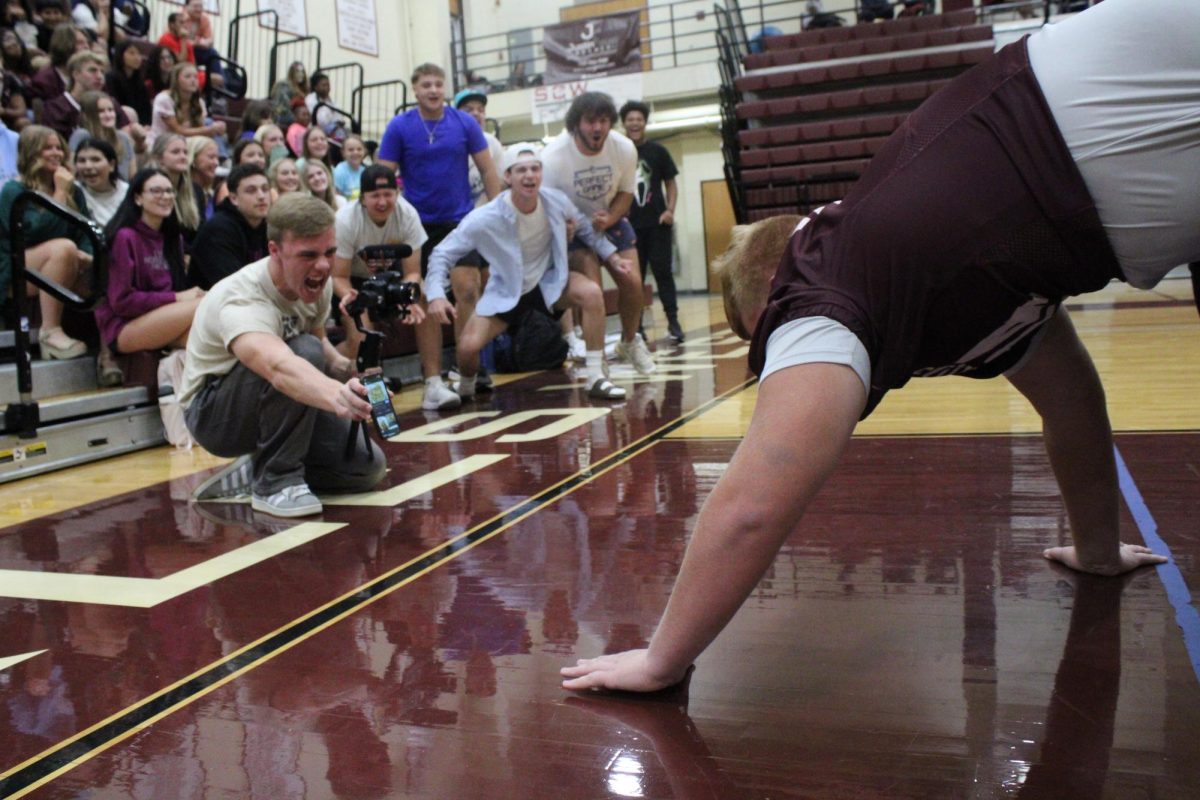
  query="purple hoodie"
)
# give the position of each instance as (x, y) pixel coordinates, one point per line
(139, 279)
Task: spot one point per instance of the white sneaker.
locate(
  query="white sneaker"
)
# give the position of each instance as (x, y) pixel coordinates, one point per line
(463, 391)
(296, 500)
(637, 354)
(576, 348)
(438, 397)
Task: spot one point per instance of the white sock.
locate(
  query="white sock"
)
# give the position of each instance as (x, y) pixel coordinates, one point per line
(594, 365)
(466, 385)
(435, 381)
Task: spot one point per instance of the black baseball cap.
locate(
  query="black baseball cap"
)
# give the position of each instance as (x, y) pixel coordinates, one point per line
(375, 177)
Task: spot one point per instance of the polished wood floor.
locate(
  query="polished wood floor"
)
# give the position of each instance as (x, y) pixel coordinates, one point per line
(909, 641)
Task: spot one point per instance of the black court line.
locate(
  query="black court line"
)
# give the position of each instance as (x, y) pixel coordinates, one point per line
(43, 766)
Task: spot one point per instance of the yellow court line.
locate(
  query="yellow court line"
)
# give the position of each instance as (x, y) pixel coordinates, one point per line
(584, 477)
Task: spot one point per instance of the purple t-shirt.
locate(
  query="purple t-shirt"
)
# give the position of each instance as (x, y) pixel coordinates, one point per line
(433, 162)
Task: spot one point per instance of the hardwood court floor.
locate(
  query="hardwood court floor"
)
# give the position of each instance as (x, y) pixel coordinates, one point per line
(908, 642)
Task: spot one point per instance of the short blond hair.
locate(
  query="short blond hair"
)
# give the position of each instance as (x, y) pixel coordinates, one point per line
(300, 214)
(427, 68)
(748, 265)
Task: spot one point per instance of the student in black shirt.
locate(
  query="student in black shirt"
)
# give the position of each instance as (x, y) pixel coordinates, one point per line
(653, 211)
(236, 235)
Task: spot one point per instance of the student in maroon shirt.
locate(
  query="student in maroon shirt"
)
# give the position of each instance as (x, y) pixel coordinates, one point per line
(147, 307)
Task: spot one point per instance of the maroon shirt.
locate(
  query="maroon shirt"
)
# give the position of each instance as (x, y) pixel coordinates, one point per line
(959, 241)
(62, 115)
(139, 278)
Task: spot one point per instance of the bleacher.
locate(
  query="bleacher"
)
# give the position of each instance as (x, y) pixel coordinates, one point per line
(53, 413)
(802, 118)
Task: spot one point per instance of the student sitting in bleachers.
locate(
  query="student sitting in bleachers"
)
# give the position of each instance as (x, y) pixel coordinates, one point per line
(284, 178)
(296, 131)
(51, 80)
(198, 28)
(347, 175)
(257, 114)
(170, 154)
(17, 59)
(270, 136)
(126, 81)
(249, 151)
(315, 147)
(284, 93)
(180, 109)
(318, 180)
(97, 177)
(203, 160)
(159, 64)
(98, 120)
(147, 306)
(236, 235)
(52, 247)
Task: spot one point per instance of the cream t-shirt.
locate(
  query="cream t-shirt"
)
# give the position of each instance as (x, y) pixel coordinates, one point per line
(245, 302)
(590, 181)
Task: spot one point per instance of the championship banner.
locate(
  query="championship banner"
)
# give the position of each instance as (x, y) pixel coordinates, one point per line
(608, 45)
(550, 103)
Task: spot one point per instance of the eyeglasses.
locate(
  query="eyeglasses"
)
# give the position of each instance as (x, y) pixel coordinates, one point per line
(158, 191)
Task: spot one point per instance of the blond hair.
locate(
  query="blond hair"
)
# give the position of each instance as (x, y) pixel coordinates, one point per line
(300, 214)
(34, 174)
(427, 68)
(748, 265)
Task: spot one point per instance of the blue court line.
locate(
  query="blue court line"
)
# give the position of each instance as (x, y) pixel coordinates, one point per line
(1186, 614)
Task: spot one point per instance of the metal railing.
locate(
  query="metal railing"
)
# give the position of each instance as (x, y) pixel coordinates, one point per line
(374, 105)
(343, 80)
(252, 45)
(23, 416)
(305, 49)
(680, 33)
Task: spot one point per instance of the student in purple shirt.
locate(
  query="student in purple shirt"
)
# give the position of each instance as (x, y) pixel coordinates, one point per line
(431, 144)
(147, 307)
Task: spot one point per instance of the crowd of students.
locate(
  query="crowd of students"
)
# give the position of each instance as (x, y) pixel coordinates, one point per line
(134, 147)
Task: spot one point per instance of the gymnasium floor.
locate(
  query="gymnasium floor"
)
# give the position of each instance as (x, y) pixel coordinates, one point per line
(909, 642)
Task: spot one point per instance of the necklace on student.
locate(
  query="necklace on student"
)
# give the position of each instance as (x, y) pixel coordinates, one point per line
(429, 131)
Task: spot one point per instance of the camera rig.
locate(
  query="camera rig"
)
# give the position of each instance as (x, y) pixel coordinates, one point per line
(385, 296)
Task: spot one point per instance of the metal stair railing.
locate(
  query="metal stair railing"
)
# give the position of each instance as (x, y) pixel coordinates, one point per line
(305, 49)
(375, 104)
(257, 60)
(22, 417)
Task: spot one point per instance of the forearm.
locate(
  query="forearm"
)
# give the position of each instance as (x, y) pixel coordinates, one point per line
(672, 194)
(1080, 449)
(492, 184)
(802, 422)
(620, 204)
(726, 558)
(304, 383)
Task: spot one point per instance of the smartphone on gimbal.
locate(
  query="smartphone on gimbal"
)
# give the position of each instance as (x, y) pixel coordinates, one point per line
(381, 405)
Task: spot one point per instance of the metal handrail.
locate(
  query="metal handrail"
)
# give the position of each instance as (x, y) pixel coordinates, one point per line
(235, 76)
(334, 72)
(357, 98)
(235, 43)
(274, 73)
(23, 416)
(355, 125)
